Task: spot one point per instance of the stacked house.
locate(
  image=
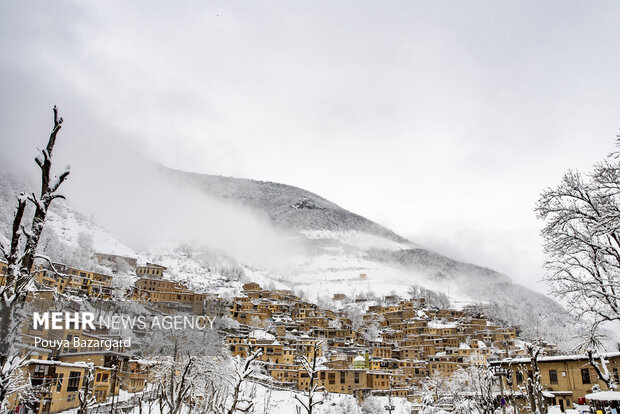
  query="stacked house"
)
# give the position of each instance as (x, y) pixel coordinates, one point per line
(394, 348)
(166, 295)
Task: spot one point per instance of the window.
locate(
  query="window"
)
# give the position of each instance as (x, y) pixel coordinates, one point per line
(71, 398)
(585, 376)
(553, 376)
(74, 381)
(342, 377)
(519, 377)
(616, 376)
(40, 370)
(357, 377)
(331, 378)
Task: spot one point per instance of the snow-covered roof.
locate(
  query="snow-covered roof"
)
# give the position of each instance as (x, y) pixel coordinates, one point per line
(604, 396)
(56, 363)
(576, 357)
(440, 325)
(261, 335)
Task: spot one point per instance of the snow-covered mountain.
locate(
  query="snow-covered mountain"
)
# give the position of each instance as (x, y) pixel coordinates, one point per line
(342, 252)
(344, 245)
(288, 207)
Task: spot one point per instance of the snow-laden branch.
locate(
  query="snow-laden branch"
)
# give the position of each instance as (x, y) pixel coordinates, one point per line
(582, 240)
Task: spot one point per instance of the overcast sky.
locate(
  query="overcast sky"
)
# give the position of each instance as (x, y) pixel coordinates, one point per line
(443, 120)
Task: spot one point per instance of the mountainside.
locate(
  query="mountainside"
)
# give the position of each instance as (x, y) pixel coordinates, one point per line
(288, 207)
(327, 227)
(342, 253)
(344, 245)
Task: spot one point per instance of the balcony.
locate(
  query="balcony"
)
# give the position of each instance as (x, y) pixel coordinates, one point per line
(138, 376)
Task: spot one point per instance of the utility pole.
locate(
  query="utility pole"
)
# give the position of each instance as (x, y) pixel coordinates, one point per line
(114, 378)
(500, 372)
(390, 407)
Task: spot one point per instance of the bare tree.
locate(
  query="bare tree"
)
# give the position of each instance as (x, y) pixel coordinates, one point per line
(460, 390)
(175, 371)
(582, 243)
(470, 390)
(432, 298)
(20, 252)
(224, 391)
(85, 396)
(177, 385)
(213, 399)
(534, 385)
(433, 390)
(243, 370)
(590, 346)
(482, 384)
(190, 373)
(309, 367)
(582, 240)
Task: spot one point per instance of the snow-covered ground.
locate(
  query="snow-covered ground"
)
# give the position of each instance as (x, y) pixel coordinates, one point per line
(283, 402)
(327, 274)
(70, 225)
(357, 239)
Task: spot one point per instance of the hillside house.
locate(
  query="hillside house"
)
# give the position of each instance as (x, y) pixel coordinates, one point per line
(567, 377)
(150, 270)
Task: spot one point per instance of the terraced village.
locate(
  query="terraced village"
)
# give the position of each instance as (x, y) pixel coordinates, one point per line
(392, 347)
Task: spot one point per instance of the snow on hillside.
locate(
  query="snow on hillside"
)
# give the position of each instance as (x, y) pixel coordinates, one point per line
(327, 274)
(358, 239)
(70, 225)
(67, 224)
(207, 271)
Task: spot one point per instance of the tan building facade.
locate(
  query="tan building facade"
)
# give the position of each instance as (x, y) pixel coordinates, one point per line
(567, 377)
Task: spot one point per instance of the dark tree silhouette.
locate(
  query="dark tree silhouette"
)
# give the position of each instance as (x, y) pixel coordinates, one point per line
(20, 251)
